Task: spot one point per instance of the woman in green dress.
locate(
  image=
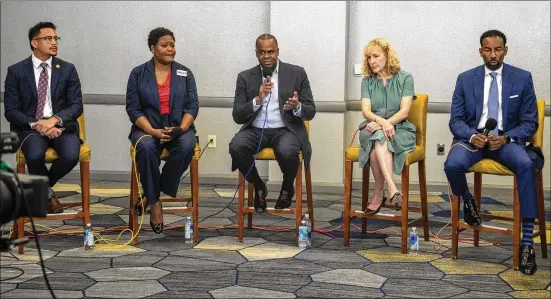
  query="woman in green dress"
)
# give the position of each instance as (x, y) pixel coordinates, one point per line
(387, 93)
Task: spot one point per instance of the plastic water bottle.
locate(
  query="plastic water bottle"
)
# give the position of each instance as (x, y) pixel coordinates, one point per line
(88, 237)
(303, 235)
(413, 241)
(309, 225)
(188, 231)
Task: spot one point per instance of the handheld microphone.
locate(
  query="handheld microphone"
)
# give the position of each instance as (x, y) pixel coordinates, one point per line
(362, 126)
(70, 127)
(267, 71)
(490, 125)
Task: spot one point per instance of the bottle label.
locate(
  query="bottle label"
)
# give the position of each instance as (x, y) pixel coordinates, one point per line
(303, 232)
(413, 239)
(187, 233)
(90, 238)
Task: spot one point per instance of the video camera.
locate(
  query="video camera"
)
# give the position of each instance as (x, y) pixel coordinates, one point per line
(20, 195)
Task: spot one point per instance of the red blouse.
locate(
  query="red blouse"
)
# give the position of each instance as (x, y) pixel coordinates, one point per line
(164, 95)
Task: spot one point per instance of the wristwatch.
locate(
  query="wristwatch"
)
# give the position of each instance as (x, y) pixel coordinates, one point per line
(507, 138)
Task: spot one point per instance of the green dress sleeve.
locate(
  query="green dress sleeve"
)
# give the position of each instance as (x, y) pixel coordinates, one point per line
(365, 88)
(408, 89)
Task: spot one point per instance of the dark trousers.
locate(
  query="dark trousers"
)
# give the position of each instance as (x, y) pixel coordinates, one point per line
(286, 147)
(512, 156)
(148, 159)
(34, 147)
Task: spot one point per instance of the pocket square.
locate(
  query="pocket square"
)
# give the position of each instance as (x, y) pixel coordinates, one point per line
(512, 97)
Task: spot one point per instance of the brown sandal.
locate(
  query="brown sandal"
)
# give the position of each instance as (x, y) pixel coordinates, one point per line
(397, 204)
(369, 211)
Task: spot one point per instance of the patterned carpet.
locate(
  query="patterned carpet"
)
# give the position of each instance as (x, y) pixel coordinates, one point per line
(268, 264)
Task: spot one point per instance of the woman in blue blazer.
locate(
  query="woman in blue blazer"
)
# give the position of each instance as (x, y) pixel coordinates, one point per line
(161, 101)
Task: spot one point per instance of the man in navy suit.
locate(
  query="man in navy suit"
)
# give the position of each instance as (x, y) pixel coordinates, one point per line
(42, 96)
(506, 94)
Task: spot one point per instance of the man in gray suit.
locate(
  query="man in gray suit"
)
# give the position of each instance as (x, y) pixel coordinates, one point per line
(272, 100)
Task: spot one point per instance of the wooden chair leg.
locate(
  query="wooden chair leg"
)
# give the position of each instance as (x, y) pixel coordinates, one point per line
(298, 197)
(85, 191)
(405, 198)
(309, 198)
(250, 198)
(455, 225)
(20, 167)
(541, 213)
(423, 195)
(194, 172)
(19, 224)
(365, 195)
(347, 201)
(478, 199)
(240, 203)
(20, 232)
(516, 228)
(132, 217)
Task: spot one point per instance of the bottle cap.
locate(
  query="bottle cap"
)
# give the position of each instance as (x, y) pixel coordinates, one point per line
(306, 216)
(88, 224)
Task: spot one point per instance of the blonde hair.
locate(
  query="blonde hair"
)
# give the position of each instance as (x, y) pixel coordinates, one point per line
(392, 62)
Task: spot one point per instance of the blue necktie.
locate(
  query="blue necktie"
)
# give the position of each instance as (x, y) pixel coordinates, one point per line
(493, 102)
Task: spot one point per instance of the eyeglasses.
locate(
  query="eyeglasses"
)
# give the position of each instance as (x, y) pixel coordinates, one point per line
(49, 39)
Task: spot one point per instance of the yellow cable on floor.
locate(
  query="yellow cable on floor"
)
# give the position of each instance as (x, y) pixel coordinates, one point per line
(98, 235)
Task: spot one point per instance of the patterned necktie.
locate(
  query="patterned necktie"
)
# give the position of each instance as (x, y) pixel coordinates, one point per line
(42, 91)
(493, 102)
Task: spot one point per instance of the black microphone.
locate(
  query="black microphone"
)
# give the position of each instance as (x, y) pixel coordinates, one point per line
(490, 125)
(70, 127)
(267, 71)
(362, 126)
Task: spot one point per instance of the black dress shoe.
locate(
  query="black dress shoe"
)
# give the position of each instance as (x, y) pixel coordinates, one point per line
(157, 227)
(527, 263)
(260, 199)
(138, 207)
(285, 199)
(470, 213)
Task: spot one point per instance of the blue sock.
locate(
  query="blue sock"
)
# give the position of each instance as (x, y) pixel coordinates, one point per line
(527, 231)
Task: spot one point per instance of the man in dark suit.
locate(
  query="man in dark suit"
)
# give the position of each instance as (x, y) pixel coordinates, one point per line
(42, 96)
(506, 94)
(272, 111)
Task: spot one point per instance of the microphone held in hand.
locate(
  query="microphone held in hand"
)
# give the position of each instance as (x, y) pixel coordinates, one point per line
(490, 125)
(362, 126)
(267, 71)
(70, 127)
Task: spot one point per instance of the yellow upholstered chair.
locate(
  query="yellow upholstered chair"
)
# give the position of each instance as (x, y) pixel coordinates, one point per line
(84, 159)
(268, 154)
(489, 166)
(194, 209)
(418, 116)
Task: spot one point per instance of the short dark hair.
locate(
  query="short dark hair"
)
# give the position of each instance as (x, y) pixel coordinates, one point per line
(156, 34)
(34, 31)
(265, 36)
(493, 33)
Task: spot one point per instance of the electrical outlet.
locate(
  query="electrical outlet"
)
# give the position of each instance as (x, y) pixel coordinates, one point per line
(358, 70)
(213, 142)
(440, 148)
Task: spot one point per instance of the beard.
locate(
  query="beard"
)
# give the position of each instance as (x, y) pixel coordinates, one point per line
(493, 67)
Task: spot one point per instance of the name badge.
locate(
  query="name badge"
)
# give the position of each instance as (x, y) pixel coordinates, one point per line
(181, 73)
